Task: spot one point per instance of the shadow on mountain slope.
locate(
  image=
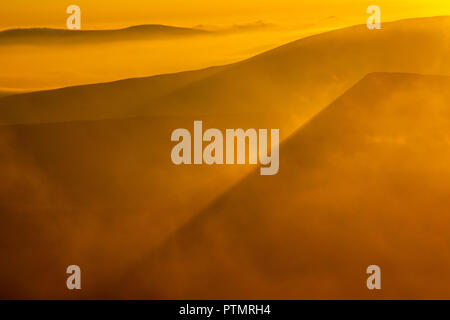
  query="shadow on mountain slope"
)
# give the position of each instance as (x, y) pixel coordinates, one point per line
(365, 182)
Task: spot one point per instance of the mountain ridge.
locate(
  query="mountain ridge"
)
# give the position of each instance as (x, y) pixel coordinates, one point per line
(301, 77)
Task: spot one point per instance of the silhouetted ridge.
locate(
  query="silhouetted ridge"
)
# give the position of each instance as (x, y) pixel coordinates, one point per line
(48, 35)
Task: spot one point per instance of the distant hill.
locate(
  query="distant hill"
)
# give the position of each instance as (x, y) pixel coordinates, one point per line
(364, 182)
(301, 77)
(42, 36)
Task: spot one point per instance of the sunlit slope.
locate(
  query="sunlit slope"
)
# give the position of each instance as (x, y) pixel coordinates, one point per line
(46, 36)
(365, 182)
(101, 194)
(306, 75)
(302, 77)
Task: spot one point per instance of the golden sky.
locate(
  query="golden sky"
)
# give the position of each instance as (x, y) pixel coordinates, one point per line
(119, 13)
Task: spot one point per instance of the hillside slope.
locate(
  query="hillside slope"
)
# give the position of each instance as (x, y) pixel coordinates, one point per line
(102, 193)
(365, 182)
